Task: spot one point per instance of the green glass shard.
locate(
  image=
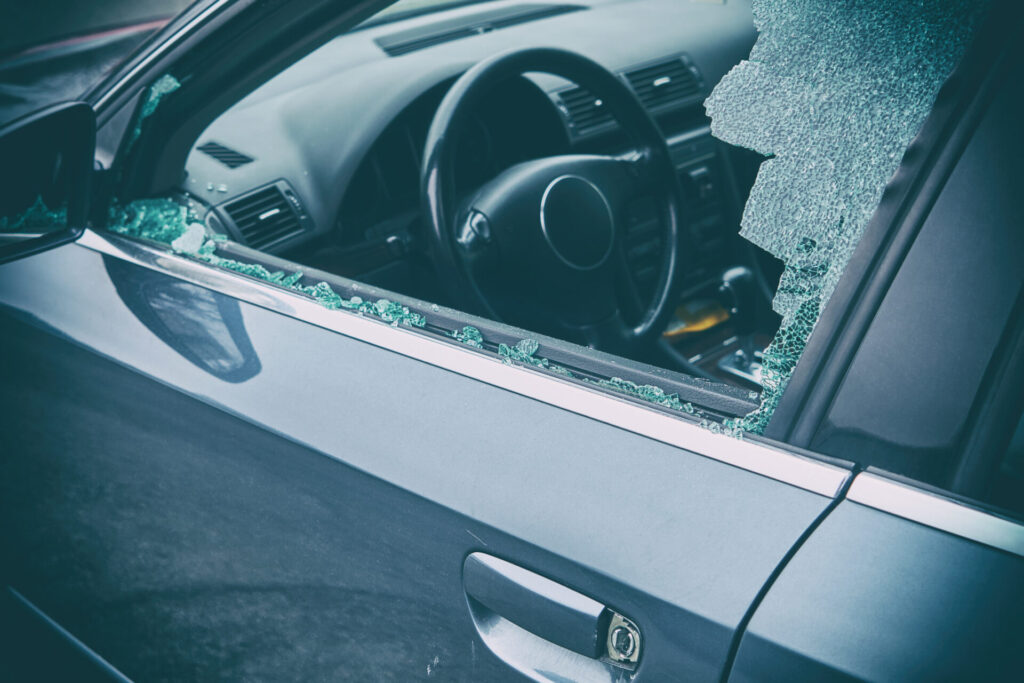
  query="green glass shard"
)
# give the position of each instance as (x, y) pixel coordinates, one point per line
(168, 222)
(562, 370)
(292, 279)
(155, 93)
(161, 220)
(522, 352)
(36, 218)
(647, 392)
(395, 313)
(833, 92)
(190, 241)
(470, 336)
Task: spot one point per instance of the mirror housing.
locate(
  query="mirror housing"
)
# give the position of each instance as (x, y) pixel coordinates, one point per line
(48, 156)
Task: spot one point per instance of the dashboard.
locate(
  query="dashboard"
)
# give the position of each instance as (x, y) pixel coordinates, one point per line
(321, 163)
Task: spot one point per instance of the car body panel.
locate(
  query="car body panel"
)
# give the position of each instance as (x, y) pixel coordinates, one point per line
(902, 581)
(204, 477)
(680, 542)
(873, 596)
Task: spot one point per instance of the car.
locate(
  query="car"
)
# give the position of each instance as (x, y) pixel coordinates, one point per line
(424, 343)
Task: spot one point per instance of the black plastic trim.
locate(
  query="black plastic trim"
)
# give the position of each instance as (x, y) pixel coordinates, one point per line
(741, 628)
(37, 245)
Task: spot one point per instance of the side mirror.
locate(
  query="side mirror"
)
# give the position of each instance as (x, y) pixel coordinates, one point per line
(47, 165)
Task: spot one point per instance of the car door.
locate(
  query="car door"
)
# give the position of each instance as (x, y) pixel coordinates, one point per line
(313, 516)
(206, 476)
(919, 573)
(315, 520)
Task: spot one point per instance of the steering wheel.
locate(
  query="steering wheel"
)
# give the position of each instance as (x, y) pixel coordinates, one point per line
(546, 237)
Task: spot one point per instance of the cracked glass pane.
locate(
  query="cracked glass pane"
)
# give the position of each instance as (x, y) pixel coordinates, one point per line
(833, 93)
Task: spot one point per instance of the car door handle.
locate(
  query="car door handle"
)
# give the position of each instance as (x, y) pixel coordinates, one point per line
(539, 605)
(531, 621)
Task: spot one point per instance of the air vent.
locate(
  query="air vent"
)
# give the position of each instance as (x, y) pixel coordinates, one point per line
(225, 155)
(264, 217)
(667, 83)
(586, 112)
(411, 40)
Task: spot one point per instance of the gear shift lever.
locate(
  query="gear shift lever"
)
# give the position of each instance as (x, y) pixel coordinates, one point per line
(739, 296)
(737, 292)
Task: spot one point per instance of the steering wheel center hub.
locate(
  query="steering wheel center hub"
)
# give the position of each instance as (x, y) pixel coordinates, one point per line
(577, 222)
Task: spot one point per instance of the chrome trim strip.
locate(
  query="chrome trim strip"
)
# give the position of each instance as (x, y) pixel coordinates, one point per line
(544, 223)
(157, 52)
(805, 473)
(937, 512)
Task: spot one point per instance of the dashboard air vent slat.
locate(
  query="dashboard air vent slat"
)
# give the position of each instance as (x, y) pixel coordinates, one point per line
(264, 217)
(585, 111)
(667, 83)
(404, 42)
(224, 154)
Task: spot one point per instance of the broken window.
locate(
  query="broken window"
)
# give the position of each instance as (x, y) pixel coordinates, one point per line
(832, 94)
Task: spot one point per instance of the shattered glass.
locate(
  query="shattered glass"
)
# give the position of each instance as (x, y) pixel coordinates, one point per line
(160, 220)
(833, 93)
(159, 89)
(523, 352)
(169, 222)
(172, 223)
(36, 218)
(470, 336)
(647, 392)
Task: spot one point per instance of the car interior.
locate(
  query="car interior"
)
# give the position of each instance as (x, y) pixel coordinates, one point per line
(324, 165)
(536, 180)
(539, 181)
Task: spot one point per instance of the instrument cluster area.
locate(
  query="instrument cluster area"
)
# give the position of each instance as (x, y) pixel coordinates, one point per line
(377, 234)
(513, 123)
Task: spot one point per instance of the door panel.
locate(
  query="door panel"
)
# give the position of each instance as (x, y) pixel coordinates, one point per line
(872, 596)
(311, 519)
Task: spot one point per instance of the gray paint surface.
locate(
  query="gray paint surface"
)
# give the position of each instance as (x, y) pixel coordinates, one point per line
(638, 512)
(870, 596)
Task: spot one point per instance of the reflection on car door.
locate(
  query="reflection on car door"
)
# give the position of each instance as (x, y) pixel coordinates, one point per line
(874, 595)
(311, 517)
